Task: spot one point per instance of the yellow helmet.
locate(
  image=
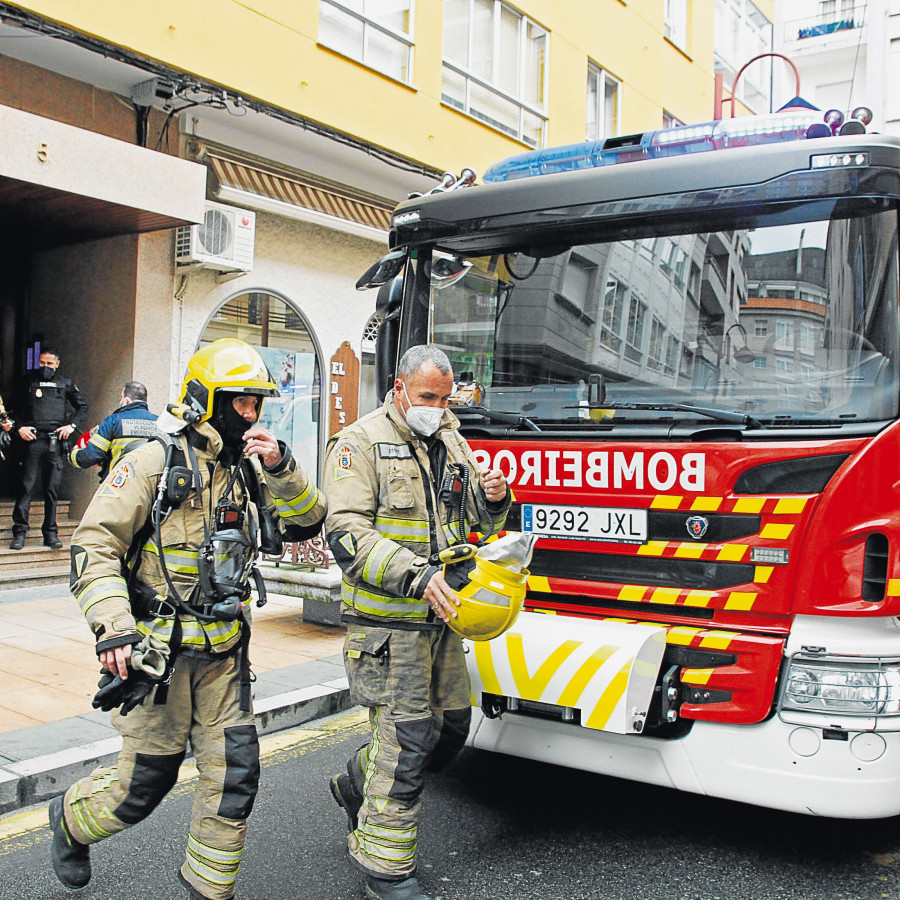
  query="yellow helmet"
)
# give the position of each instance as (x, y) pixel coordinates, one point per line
(227, 364)
(490, 602)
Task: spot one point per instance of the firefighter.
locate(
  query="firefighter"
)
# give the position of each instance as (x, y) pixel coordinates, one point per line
(122, 430)
(42, 426)
(160, 568)
(402, 485)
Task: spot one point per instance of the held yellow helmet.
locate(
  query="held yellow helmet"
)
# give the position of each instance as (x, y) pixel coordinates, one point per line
(490, 602)
(229, 365)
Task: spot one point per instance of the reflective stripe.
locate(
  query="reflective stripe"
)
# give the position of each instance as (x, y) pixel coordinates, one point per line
(299, 505)
(177, 559)
(87, 821)
(106, 587)
(215, 866)
(383, 604)
(410, 531)
(193, 632)
(377, 561)
(100, 442)
(396, 845)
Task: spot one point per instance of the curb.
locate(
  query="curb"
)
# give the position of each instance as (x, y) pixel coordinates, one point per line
(44, 777)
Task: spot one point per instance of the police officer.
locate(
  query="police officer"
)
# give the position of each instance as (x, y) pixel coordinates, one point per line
(123, 430)
(43, 428)
(160, 568)
(394, 482)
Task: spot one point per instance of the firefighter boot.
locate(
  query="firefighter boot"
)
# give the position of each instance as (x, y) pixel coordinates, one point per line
(71, 860)
(347, 798)
(193, 893)
(391, 889)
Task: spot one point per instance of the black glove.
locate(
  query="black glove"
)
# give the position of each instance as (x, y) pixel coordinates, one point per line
(116, 692)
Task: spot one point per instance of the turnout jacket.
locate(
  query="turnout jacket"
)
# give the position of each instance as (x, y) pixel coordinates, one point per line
(119, 432)
(385, 516)
(120, 509)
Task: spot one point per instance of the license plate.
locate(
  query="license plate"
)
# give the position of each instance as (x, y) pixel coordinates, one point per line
(586, 523)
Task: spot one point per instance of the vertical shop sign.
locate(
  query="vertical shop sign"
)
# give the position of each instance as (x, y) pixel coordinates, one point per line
(343, 389)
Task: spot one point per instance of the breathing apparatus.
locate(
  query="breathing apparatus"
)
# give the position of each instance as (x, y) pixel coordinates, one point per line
(217, 373)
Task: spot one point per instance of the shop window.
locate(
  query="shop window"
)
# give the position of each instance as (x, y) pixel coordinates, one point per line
(277, 329)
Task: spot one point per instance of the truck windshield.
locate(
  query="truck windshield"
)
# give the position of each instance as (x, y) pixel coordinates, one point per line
(785, 321)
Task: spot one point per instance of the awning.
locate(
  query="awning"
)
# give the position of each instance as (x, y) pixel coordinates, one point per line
(61, 184)
(327, 204)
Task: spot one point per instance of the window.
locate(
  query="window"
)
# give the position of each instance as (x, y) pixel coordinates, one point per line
(761, 328)
(634, 332)
(495, 67)
(613, 304)
(654, 353)
(602, 104)
(377, 33)
(676, 22)
(742, 32)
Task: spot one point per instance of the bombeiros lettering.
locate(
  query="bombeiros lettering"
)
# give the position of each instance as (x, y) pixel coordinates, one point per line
(601, 469)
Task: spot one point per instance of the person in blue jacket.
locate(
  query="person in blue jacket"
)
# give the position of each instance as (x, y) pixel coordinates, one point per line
(123, 430)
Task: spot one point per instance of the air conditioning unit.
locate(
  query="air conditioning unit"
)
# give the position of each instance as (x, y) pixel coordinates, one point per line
(223, 241)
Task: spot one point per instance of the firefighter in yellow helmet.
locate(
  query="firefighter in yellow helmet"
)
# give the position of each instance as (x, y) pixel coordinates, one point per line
(403, 485)
(161, 567)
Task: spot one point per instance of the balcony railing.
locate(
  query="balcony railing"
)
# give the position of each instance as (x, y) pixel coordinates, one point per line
(845, 19)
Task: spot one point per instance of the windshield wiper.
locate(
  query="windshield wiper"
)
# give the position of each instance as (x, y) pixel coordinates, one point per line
(514, 419)
(720, 415)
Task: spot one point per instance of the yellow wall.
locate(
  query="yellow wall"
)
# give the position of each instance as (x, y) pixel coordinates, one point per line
(267, 49)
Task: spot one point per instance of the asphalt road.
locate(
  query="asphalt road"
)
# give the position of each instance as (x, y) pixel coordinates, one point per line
(493, 827)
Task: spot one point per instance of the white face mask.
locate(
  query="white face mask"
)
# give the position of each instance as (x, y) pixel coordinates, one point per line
(423, 420)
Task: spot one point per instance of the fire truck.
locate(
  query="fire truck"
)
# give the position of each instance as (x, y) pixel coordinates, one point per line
(683, 349)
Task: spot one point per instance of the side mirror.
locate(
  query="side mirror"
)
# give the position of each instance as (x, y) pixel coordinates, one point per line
(387, 268)
(387, 304)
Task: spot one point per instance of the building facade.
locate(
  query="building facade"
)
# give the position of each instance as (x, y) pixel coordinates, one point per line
(180, 172)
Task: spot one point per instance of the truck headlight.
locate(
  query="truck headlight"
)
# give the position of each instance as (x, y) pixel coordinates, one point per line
(841, 686)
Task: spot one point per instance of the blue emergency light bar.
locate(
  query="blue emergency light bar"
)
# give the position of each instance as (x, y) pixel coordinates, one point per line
(747, 131)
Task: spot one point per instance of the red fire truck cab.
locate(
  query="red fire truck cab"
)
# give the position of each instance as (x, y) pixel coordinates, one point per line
(683, 349)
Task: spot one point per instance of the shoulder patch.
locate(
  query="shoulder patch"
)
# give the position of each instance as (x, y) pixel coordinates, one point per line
(344, 455)
(122, 473)
(394, 451)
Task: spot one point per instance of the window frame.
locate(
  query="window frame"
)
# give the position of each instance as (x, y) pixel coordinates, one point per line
(469, 77)
(603, 129)
(408, 40)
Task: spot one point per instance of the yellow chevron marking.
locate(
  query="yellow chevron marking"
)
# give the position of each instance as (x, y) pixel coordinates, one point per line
(776, 531)
(732, 552)
(717, 640)
(587, 670)
(893, 587)
(696, 676)
(790, 506)
(632, 592)
(698, 598)
(749, 504)
(706, 504)
(763, 574)
(539, 583)
(665, 595)
(691, 551)
(665, 501)
(681, 635)
(652, 548)
(532, 687)
(486, 669)
(609, 698)
(740, 600)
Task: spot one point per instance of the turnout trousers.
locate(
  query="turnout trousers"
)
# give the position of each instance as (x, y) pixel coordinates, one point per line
(203, 709)
(416, 687)
(44, 458)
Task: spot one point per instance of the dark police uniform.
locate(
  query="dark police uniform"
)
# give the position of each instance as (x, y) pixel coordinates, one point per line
(44, 408)
(123, 430)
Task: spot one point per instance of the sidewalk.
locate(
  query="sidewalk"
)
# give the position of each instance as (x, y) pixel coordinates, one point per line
(49, 733)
